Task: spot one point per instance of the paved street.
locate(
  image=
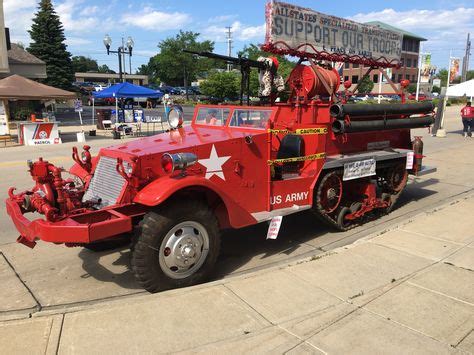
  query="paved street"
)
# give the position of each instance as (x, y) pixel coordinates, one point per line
(53, 279)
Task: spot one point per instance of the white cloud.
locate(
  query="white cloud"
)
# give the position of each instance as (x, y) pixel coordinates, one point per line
(89, 10)
(18, 15)
(239, 31)
(150, 19)
(223, 18)
(70, 12)
(144, 53)
(442, 28)
(421, 19)
(10, 6)
(77, 41)
(252, 32)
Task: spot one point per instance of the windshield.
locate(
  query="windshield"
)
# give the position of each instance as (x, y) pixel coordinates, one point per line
(212, 116)
(250, 118)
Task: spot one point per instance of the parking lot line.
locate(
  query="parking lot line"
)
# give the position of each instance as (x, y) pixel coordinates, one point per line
(23, 162)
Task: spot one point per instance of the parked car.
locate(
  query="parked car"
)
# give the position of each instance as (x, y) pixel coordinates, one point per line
(421, 97)
(108, 101)
(99, 87)
(170, 90)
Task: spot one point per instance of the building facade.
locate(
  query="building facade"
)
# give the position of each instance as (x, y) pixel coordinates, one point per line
(409, 62)
(24, 63)
(107, 78)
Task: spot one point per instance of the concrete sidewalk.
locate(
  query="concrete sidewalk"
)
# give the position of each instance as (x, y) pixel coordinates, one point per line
(408, 290)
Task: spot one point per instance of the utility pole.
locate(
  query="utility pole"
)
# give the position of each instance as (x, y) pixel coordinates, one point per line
(229, 46)
(465, 61)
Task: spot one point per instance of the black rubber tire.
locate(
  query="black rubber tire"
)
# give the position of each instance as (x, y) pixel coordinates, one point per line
(109, 244)
(151, 232)
(341, 224)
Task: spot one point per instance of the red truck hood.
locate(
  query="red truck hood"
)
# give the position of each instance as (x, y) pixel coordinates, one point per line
(183, 139)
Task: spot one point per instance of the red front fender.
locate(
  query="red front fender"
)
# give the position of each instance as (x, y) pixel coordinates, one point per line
(161, 189)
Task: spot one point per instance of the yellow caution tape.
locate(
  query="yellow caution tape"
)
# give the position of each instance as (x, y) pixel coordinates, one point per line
(300, 131)
(297, 159)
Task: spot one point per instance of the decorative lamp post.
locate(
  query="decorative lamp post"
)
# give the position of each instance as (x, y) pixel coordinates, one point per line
(121, 51)
(130, 43)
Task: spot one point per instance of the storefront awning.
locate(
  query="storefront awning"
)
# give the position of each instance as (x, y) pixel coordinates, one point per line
(16, 87)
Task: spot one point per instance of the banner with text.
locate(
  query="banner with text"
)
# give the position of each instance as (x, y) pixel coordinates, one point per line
(426, 68)
(292, 28)
(453, 69)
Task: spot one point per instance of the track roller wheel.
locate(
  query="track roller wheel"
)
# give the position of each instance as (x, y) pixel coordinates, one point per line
(329, 192)
(341, 221)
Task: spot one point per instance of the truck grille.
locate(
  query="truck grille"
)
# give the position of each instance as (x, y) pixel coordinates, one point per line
(106, 184)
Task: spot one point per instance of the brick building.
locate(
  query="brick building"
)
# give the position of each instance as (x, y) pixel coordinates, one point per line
(409, 60)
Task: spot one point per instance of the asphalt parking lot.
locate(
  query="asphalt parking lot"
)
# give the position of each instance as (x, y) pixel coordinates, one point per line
(56, 276)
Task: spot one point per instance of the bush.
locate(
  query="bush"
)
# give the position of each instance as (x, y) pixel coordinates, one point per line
(221, 85)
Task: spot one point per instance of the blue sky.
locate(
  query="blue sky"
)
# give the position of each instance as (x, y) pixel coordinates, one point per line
(444, 23)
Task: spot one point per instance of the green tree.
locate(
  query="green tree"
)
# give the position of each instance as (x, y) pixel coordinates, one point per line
(252, 51)
(48, 44)
(470, 75)
(411, 88)
(221, 85)
(105, 69)
(443, 75)
(366, 85)
(84, 64)
(174, 67)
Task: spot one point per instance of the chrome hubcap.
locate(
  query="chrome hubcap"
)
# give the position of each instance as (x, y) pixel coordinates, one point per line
(184, 249)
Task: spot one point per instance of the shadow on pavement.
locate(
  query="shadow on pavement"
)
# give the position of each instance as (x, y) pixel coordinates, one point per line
(247, 248)
(93, 267)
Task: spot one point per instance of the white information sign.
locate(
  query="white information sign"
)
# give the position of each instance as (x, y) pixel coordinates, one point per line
(300, 29)
(78, 106)
(3, 120)
(274, 227)
(410, 156)
(359, 169)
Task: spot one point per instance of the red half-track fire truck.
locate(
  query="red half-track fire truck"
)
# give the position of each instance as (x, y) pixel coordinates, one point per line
(233, 166)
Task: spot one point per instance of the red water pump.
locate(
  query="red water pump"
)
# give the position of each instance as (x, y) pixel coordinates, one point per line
(52, 195)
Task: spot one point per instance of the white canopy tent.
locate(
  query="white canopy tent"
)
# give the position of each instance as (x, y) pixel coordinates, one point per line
(464, 89)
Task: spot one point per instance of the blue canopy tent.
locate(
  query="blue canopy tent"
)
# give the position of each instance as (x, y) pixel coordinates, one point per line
(125, 91)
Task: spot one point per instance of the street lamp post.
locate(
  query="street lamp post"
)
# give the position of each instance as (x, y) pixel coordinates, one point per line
(121, 51)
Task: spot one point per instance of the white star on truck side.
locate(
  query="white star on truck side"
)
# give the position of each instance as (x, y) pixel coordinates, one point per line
(214, 164)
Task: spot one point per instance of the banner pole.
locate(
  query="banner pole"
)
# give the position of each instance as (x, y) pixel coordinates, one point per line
(380, 85)
(420, 61)
(449, 70)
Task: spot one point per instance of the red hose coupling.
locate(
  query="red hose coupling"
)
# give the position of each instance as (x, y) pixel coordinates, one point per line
(39, 204)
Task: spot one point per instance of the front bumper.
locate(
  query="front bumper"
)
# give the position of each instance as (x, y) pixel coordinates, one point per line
(76, 229)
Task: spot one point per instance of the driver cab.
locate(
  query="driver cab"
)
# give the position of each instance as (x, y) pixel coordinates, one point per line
(233, 117)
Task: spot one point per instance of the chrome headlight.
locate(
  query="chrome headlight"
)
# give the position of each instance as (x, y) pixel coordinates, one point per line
(175, 117)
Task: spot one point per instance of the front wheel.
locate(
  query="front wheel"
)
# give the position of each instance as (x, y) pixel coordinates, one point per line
(176, 246)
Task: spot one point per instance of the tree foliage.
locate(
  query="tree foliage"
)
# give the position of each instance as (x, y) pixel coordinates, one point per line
(221, 85)
(48, 44)
(252, 51)
(366, 85)
(84, 64)
(105, 69)
(174, 67)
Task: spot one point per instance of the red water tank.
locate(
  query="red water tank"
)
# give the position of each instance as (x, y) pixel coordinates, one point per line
(304, 81)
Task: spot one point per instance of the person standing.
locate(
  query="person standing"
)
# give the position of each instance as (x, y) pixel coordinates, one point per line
(467, 115)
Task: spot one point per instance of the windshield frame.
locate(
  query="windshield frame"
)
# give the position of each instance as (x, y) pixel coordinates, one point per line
(232, 109)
